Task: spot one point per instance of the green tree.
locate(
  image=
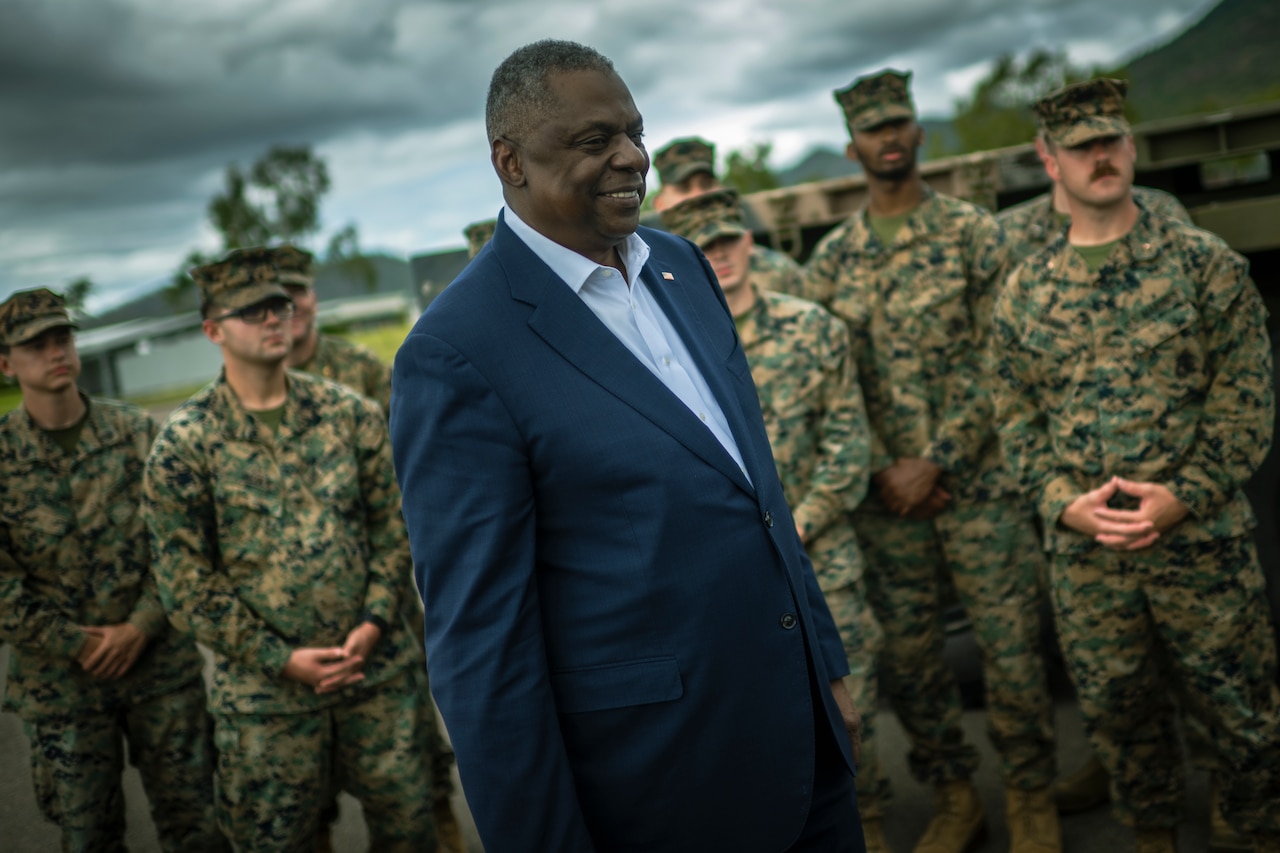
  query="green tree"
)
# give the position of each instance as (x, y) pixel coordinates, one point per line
(344, 254)
(998, 113)
(77, 294)
(748, 170)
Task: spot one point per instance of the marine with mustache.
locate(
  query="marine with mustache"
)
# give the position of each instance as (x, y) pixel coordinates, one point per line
(914, 275)
(1135, 399)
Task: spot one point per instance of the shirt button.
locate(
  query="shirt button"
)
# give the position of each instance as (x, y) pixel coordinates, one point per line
(702, 415)
(608, 273)
(768, 518)
(788, 621)
(666, 361)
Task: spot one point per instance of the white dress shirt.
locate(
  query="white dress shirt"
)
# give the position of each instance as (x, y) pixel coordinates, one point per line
(629, 311)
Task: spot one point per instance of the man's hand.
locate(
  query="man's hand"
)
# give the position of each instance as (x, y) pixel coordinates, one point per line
(852, 719)
(906, 483)
(361, 640)
(1156, 505)
(1120, 529)
(111, 650)
(929, 508)
(326, 670)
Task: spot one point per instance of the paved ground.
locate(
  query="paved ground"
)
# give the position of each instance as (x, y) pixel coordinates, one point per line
(23, 831)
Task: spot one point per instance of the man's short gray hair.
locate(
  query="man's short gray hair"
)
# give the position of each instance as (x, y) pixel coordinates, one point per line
(519, 94)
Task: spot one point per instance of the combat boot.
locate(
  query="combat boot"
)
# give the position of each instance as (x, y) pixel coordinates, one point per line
(1033, 822)
(959, 823)
(1087, 788)
(1222, 838)
(448, 833)
(1155, 841)
(874, 837)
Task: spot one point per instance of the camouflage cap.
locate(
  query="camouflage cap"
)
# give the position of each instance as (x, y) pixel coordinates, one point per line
(682, 158)
(243, 277)
(1081, 112)
(704, 218)
(477, 234)
(293, 265)
(876, 98)
(30, 313)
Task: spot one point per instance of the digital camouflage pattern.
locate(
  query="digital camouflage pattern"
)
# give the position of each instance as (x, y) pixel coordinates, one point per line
(1156, 368)
(919, 313)
(705, 218)
(813, 415)
(876, 98)
(681, 158)
(244, 277)
(28, 313)
(264, 543)
(272, 770)
(77, 759)
(73, 552)
(352, 365)
(1206, 601)
(293, 265)
(477, 234)
(1082, 112)
(776, 272)
(1034, 224)
(991, 552)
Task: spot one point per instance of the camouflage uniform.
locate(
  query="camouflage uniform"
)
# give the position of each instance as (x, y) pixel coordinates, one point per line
(918, 312)
(265, 543)
(351, 365)
(477, 234)
(1155, 368)
(776, 272)
(73, 552)
(1034, 224)
(817, 427)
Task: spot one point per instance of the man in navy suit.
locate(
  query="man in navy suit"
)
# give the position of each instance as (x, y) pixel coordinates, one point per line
(625, 637)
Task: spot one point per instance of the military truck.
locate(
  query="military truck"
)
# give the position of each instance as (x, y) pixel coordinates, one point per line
(1224, 166)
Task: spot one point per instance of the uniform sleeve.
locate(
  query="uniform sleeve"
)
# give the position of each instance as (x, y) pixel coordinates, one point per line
(389, 561)
(148, 614)
(840, 475)
(822, 279)
(377, 383)
(193, 586)
(964, 423)
(1234, 433)
(28, 621)
(1022, 425)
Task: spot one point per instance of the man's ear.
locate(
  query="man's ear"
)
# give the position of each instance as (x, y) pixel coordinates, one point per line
(851, 152)
(5, 367)
(1050, 160)
(506, 162)
(212, 330)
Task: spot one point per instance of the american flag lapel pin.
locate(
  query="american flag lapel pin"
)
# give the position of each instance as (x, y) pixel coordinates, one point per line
(668, 276)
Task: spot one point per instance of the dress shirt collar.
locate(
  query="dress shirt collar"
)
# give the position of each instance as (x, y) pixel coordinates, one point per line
(572, 267)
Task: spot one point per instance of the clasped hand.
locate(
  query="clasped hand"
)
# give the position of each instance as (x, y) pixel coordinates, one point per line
(331, 669)
(909, 488)
(111, 650)
(1125, 529)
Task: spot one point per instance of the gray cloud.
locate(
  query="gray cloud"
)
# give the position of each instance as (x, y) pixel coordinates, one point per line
(119, 115)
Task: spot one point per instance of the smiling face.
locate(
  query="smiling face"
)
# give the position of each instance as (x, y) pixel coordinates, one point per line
(888, 150)
(578, 178)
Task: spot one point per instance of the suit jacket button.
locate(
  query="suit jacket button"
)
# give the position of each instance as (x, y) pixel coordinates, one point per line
(768, 518)
(788, 621)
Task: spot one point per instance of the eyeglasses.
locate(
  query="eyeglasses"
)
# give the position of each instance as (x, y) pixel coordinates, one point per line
(256, 313)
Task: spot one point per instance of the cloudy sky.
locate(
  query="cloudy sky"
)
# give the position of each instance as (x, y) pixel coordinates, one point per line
(118, 117)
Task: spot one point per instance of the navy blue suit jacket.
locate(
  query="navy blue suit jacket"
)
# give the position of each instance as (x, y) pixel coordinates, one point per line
(617, 619)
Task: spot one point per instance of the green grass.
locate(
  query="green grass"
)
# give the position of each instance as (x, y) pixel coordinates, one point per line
(384, 341)
(10, 397)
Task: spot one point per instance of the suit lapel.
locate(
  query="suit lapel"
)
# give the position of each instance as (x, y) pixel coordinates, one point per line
(715, 367)
(569, 327)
